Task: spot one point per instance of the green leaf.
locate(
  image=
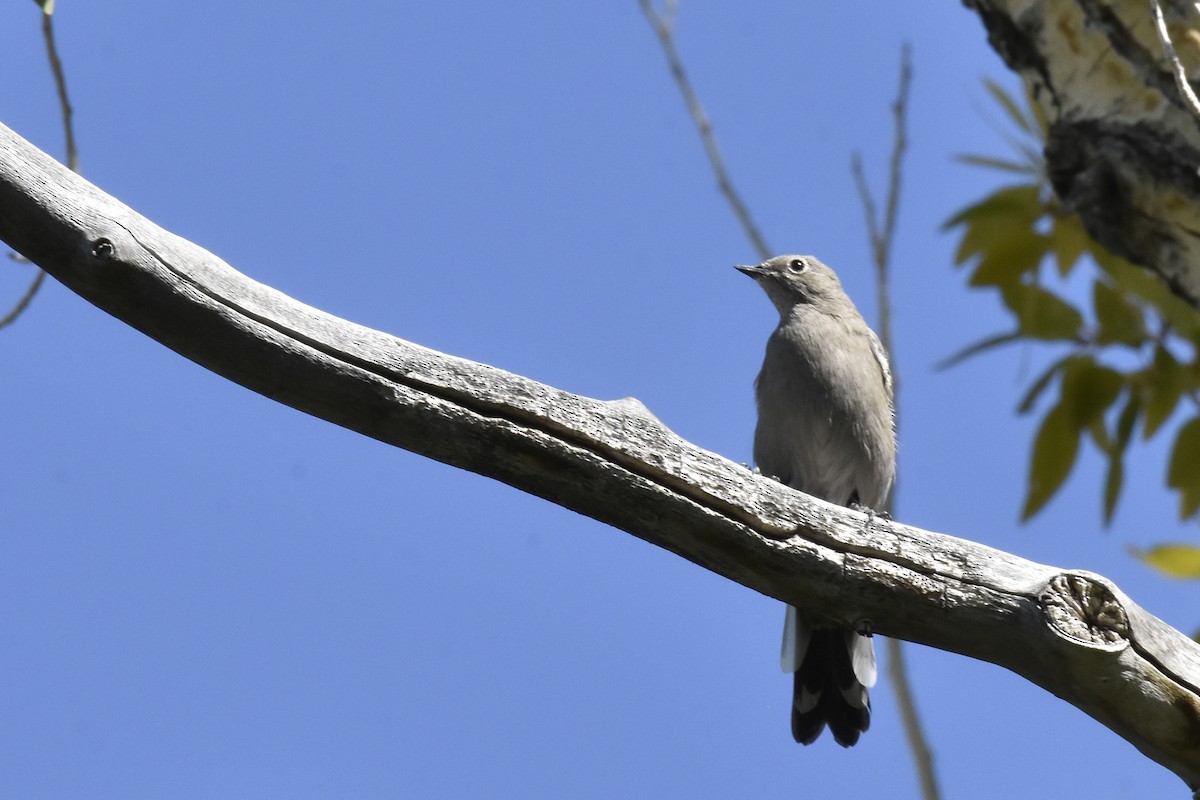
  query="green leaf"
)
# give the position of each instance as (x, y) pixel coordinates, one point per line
(977, 348)
(1032, 154)
(1068, 241)
(1173, 560)
(1039, 385)
(1088, 389)
(1038, 113)
(1014, 111)
(1054, 451)
(1001, 229)
(1164, 383)
(1150, 288)
(1011, 253)
(1041, 314)
(1121, 322)
(1128, 418)
(1099, 432)
(1001, 164)
(1115, 478)
(1184, 470)
(1022, 201)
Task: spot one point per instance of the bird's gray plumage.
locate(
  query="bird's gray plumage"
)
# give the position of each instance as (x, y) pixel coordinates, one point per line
(825, 427)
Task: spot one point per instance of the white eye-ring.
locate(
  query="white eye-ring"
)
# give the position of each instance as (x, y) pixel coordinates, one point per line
(797, 265)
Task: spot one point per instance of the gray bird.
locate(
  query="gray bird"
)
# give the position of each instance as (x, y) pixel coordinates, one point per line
(826, 427)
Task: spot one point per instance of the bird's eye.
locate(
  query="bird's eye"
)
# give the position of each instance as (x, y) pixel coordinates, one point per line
(797, 265)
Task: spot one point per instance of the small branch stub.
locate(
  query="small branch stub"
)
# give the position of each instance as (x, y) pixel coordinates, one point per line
(103, 249)
(1085, 610)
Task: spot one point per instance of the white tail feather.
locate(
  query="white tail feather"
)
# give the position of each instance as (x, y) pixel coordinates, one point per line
(862, 657)
(795, 641)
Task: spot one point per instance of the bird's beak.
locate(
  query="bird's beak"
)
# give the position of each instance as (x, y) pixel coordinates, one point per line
(753, 272)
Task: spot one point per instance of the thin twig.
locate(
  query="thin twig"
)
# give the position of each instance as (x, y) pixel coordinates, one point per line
(1181, 79)
(25, 300)
(664, 26)
(917, 741)
(882, 235)
(60, 83)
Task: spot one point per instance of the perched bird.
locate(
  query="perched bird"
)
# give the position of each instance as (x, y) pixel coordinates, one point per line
(826, 427)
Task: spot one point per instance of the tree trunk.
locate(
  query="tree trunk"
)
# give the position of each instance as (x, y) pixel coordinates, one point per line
(1123, 146)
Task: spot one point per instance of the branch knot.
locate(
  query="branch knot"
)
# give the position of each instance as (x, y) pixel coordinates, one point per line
(1085, 610)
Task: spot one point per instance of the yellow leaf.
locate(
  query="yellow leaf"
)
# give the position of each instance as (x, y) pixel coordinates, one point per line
(1174, 560)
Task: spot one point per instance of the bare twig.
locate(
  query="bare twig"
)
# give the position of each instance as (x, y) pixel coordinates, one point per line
(664, 26)
(60, 83)
(913, 729)
(25, 300)
(1181, 79)
(882, 235)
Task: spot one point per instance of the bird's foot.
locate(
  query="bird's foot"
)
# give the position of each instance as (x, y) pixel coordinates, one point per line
(870, 512)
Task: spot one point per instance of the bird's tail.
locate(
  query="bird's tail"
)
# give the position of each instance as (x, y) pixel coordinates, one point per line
(833, 669)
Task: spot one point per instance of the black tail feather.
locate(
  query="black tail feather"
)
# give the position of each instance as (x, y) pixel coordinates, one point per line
(821, 690)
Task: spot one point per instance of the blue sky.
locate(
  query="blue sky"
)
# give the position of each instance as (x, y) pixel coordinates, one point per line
(206, 594)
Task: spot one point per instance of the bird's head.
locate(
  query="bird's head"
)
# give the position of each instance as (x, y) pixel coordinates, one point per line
(792, 279)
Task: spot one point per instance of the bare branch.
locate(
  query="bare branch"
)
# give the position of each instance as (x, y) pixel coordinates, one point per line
(664, 26)
(1073, 633)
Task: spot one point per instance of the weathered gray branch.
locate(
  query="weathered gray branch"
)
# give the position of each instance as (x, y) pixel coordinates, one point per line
(1123, 147)
(1071, 632)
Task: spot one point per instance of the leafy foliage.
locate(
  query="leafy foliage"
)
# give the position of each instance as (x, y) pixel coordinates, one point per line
(1131, 356)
